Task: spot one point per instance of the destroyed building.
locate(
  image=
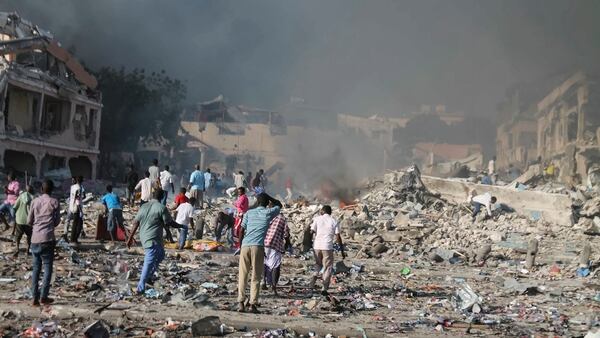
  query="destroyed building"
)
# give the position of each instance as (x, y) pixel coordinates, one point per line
(441, 159)
(568, 125)
(516, 143)
(239, 137)
(50, 106)
(384, 129)
(389, 132)
(561, 126)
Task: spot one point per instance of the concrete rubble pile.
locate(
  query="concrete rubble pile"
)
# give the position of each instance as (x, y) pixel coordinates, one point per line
(587, 212)
(418, 266)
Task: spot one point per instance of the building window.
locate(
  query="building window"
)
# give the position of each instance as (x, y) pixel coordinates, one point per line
(55, 116)
(90, 130)
(572, 127)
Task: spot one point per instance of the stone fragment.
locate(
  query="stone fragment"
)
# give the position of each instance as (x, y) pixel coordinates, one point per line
(207, 326)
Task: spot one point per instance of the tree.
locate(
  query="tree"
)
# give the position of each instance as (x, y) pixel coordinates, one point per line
(138, 105)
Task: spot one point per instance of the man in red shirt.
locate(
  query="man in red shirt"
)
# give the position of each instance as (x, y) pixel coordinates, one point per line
(288, 187)
(180, 198)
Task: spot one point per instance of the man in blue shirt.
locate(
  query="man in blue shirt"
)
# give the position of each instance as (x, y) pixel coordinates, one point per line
(254, 230)
(113, 210)
(196, 186)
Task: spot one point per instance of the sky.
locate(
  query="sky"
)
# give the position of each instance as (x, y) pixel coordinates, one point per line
(360, 57)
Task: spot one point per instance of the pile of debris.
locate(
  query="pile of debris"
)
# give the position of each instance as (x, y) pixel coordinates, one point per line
(399, 217)
(449, 273)
(586, 211)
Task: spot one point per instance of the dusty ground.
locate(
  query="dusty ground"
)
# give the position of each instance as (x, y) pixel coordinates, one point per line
(381, 300)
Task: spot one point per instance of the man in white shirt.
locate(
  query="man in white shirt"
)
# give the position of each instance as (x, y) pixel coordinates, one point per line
(76, 209)
(208, 182)
(492, 166)
(239, 182)
(483, 200)
(325, 228)
(238, 179)
(184, 219)
(166, 181)
(154, 171)
(145, 186)
(492, 170)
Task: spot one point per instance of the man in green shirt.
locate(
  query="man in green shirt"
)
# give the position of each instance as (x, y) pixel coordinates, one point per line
(152, 218)
(21, 207)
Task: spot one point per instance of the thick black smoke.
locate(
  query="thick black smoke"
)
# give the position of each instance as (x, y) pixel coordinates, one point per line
(362, 57)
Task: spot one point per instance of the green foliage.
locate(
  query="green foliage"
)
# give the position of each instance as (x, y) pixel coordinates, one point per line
(137, 105)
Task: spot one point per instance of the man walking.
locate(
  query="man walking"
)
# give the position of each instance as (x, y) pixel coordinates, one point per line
(154, 171)
(131, 179)
(184, 218)
(43, 217)
(152, 219)
(22, 207)
(238, 182)
(76, 209)
(492, 169)
(289, 184)
(252, 255)
(238, 179)
(208, 182)
(276, 240)
(112, 204)
(263, 179)
(196, 187)
(257, 185)
(145, 186)
(325, 228)
(166, 182)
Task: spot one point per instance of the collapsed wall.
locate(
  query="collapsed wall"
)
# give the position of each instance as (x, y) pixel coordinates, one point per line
(553, 208)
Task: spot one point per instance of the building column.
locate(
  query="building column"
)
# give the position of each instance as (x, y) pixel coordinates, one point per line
(581, 123)
(38, 164)
(2, 104)
(94, 161)
(67, 159)
(2, 151)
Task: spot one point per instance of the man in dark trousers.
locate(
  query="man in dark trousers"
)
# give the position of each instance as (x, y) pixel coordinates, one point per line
(131, 179)
(43, 217)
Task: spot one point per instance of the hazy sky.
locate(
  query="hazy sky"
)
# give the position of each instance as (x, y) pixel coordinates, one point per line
(361, 57)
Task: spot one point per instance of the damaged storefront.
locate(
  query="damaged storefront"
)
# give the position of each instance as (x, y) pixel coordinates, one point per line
(568, 124)
(50, 108)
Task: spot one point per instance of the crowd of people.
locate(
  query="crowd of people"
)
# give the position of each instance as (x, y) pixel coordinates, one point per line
(258, 233)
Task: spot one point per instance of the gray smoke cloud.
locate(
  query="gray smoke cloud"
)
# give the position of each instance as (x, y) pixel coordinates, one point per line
(362, 57)
(347, 56)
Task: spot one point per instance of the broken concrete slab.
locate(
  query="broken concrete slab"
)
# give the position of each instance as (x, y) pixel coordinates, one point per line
(554, 208)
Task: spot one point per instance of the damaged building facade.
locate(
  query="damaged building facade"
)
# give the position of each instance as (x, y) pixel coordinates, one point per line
(238, 137)
(562, 127)
(434, 158)
(50, 108)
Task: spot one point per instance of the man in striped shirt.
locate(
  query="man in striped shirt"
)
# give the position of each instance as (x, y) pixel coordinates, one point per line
(276, 241)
